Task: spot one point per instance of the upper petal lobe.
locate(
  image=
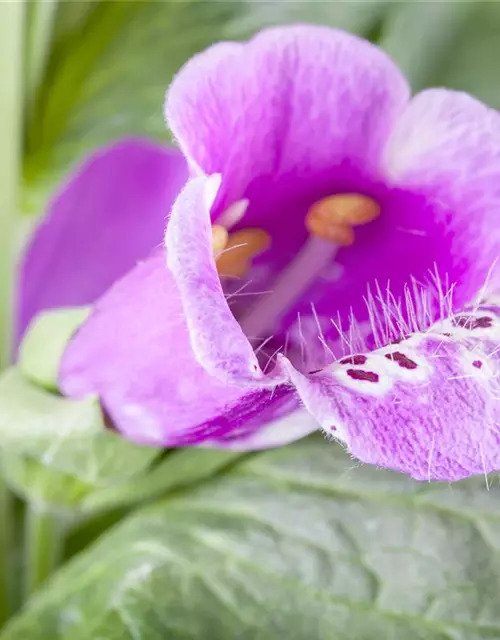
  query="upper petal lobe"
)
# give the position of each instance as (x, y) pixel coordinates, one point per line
(291, 104)
(445, 148)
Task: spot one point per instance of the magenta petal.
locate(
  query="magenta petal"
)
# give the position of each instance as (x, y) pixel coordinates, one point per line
(446, 149)
(108, 215)
(292, 103)
(427, 406)
(135, 354)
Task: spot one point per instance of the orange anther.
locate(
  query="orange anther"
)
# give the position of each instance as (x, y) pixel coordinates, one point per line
(333, 218)
(241, 247)
(346, 208)
(341, 234)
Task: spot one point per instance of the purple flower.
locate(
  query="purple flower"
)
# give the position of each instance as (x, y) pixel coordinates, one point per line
(330, 249)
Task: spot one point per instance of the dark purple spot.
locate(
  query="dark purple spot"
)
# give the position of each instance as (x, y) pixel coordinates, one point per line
(359, 374)
(485, 322)
(478, 364)
(356, 359)
(403, 361)
(470, 322)
(448, 335)
(399, 340)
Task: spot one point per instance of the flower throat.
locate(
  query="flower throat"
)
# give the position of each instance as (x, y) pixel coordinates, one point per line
(330, 223)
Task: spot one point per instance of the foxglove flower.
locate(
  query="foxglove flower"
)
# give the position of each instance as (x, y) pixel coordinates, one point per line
(330, 250)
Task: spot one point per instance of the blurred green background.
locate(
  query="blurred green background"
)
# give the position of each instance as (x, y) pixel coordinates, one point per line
(96, 71)
(291, 543)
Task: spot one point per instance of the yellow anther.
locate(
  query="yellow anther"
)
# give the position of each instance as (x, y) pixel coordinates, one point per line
(219, 239)
(333, 218)
(241, 247)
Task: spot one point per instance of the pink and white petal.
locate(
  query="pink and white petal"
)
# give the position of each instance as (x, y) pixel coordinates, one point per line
(427, 407)
(109, 214)
(135, 354)
(446, 148)
(291, 104)
(217, 340)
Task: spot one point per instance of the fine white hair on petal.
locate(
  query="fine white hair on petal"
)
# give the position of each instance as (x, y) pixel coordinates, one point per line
(391, 319)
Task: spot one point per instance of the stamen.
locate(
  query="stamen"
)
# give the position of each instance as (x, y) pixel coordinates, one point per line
(219, 239)
(241, 247)
(291, 283)
(332, 218)
(330, 223)
(233, 214)
(234, 252)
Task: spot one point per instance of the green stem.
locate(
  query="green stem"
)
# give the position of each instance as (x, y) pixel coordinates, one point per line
(5, 545)
(11, 112)
(43, 545)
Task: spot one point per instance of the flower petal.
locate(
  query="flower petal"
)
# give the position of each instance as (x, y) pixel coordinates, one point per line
(283, 427)
(108, 215)
(285, 108)
(217, 340)
(427, 406)
(446, 148)
(135, 354)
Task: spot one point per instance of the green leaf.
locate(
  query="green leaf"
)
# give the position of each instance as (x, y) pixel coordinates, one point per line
(43, 346)
(71, 18)
(293, 543)
(109, 78)
(180, 468)
(39, 26)
(58, 450)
